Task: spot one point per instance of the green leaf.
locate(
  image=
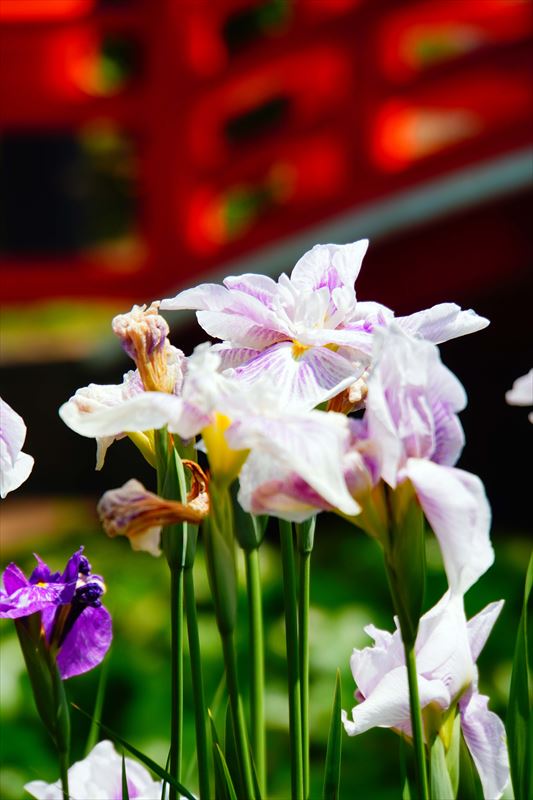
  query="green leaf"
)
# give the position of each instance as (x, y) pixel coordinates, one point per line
(406, 560)
(332, 771)
(406, 790)
(98, 706)
(225, 778)
(230, 754)
(453, 755)
(47, 687)
(441, 785)
(125, 790)
(469, 783)
(159, 771)
(519, 720)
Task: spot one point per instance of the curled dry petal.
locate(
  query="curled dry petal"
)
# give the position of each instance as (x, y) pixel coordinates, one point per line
(132, 510)
(143, 333)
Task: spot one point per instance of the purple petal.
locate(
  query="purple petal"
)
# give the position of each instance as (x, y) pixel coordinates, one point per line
(13, 579)
(87, 643)
(231, 357)
(31, 599)
(484, 735)
(457, 509)
(442, 322)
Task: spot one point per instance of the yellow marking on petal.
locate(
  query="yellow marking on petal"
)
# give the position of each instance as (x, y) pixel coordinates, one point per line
(41, 583)
(298, 349)
(224, 463)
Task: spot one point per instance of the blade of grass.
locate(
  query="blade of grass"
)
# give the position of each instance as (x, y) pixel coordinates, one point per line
(146, 760)
(125, 790)
(519, 721)
(92, 738)
(332, 771)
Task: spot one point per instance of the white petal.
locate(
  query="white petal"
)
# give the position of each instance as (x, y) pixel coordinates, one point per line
(12, 478)
(311, 271)
(484, 735)
(480, 626)
(142, 413)
(522, 392)
(442, 322)
(308, 379)
(388, 705)
(457, 509)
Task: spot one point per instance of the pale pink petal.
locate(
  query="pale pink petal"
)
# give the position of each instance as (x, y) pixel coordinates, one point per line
(265, 488)
(311, 445)
(370, 664)
(480, 626)
(388, 705)
(442, 322)
(241, 330)
(457, 509)
(309, 378)
(206, 296)
(484, 735)
(231, 357)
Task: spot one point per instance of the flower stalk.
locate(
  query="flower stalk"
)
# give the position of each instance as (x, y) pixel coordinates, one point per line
(293, 659)
(257, 664)
(305, 534)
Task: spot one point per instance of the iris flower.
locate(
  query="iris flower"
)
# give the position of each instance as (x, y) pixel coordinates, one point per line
(74, 623)
(307, 331)
(447, 648)
(100, 776)
(410, 432)
(15, 466)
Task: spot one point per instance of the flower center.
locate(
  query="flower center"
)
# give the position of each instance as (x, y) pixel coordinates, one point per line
(298, 349)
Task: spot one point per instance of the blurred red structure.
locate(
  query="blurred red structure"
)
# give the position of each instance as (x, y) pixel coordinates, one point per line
(146, 142)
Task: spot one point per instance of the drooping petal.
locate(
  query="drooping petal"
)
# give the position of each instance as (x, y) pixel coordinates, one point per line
(310, 445)
(484, 735)
(143, 412)
(307, 376)
(261, 287)
(388, 705)
(15, 466)
(480, 626)
(457, 509)
(442, 322)
(15, 477)
(86, 643)
(266, 489)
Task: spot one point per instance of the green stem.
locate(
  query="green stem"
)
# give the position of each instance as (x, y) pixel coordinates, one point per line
(304, 570)
(416, 723)
(237, 713)
(176, 721)
(63, 772)
(197, 685)
(257, 666)
(293, 669)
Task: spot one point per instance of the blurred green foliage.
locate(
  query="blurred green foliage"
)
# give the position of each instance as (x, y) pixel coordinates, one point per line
(348, 591)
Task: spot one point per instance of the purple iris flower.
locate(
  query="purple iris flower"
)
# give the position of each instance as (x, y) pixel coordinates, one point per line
(76, 626)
